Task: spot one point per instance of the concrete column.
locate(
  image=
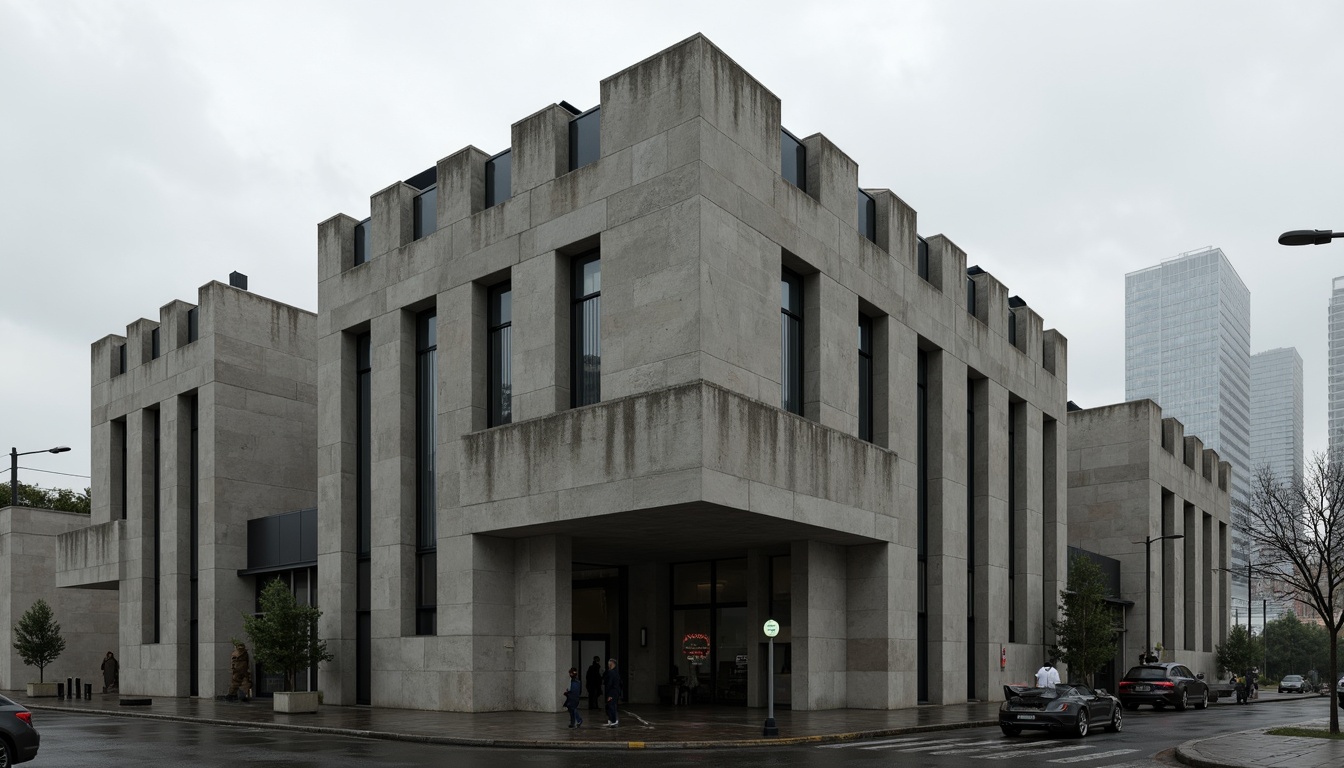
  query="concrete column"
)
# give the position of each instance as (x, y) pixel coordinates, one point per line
(394, 467)
(946, 562)
(477, 625)
(335, 246)
(645, 666)
(1054, 521)
(820, 653)
(876, 677)
(392, 217)
(540, 148)
(1172, 577)
(897, 231)
(542, 619)
(830, 329)
(137, 587)
(461, 185)
(541, 336)
(994, 584)
(833, 179)
(1210, 580)
(337, 530)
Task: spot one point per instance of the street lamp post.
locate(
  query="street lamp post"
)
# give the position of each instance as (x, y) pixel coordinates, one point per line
(14, 470)
(1148, 589)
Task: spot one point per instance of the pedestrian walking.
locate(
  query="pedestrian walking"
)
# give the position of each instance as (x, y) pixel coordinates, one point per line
(612, 684)
(594, 680)
(111, 672)
(240, 674)
(573, 695)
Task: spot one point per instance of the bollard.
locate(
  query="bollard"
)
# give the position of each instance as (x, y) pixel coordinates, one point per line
(88, 691)
(69, 687)
(74, 692)
(60, 690)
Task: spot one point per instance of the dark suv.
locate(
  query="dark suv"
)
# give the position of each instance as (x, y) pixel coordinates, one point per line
(1162, 684)
(18, 738)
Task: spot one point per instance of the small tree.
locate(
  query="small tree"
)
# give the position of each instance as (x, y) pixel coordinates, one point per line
(284, 635)
(37, 638)
(1241, 651)
(1296, 531)
(1086, 636)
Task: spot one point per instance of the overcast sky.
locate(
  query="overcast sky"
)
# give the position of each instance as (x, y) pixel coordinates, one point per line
(147, 148)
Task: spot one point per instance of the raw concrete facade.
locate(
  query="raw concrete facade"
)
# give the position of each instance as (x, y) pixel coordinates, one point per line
(201, 421)
(1134, 475)
(88, 618)
(689, 454)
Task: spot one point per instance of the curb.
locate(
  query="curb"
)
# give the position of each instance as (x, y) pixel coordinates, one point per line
(464, 741)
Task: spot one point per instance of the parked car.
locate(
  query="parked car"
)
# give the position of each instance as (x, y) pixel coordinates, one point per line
(1163, 684)
(1071, 709)
(18, 737)
(1295, 684)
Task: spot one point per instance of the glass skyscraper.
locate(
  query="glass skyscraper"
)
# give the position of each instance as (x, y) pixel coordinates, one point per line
(1336, 371)
(1276, 426)
(1188, 347)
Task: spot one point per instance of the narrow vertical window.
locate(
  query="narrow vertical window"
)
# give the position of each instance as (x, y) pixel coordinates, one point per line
(123, 465)
(922, 525)
(586, 366)
(970, 539)
(501, 366)
(585, 138)
(499, 178)
(1012, 327)
(970, 294)
(193, 324)
(867, 216)
(363, 519)
(121, 359)
(425, 210)
(791, 340)
(426, 542)
(1012, 522)
(922, 257)
(154, 344)
(362, 241)
(865, 378)
(194, 531)
(792, 159)
(155, 423)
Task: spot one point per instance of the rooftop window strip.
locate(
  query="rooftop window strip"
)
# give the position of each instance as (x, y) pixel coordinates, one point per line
(426, 211)
(922, 257)
(154, 344)
(121, 359)
(970, 294)
(193, 324)
(585, 138)
(867, 216)
(424, 179)
(499, 178)
(792, 159)
(362, 230)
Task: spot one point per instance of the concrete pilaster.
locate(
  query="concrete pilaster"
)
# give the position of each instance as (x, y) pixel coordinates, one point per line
(1169, 562)
(946, 563)
(830, 323)
(1030, 627)
(394, 473)
(542, 620)
(820, 648)
(337, 527)
(878, 656)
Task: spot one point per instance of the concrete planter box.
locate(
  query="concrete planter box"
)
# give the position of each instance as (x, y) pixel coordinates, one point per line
(295, 701)
(42, 689)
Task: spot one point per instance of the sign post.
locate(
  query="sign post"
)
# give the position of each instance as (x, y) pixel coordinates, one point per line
(771, 629)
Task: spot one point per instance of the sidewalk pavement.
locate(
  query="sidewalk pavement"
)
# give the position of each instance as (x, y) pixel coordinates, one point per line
(643, 726)
(1254, 749)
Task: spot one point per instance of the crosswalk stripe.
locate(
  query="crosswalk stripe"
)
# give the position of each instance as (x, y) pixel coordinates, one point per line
(992, 746)
(852, 744)
(1017, 753)
(926, 744)
(972, 746)
(1096, 756)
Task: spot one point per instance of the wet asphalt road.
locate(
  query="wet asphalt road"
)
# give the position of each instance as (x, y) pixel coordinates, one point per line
(88, 740)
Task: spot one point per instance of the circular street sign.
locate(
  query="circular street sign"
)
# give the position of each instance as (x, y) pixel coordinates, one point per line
(771, 628)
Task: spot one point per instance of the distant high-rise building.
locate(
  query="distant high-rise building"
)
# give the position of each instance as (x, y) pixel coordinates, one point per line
(1336, 371)
(1188, 347)
(1276, 413)
(1276, 426)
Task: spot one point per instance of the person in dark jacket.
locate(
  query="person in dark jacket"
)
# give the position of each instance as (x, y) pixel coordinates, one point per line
(594, 680)
(111, 668)
(612, 684)
(573, 695)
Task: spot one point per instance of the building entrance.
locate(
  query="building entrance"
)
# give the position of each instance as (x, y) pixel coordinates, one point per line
(709, 649)
(598, 620)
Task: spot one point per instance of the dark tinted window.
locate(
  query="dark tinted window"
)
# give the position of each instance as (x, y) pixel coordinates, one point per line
(867, 216)
(1012, 328)
(1146, 673)
(501, 366)
(922, 256)
(585, 138)
(791, 340)
(792, 159)
(970, 295)
(499, 178)
(362, 241)
(865, 378)
(121, 358)
(426, 207)
(193, 324)
(154, 344)
(586, 340)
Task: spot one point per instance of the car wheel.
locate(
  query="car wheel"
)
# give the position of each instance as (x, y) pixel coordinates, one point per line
(1183, 703)
(6, 759)
(1009, 730)
(1080, 728)
(1116, 723)
(1203, 702)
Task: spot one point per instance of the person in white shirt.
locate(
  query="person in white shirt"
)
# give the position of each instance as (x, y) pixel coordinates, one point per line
(1047, 676)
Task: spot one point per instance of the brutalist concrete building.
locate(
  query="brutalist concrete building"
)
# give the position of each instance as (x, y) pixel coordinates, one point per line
(202, 421)
(655, 373)
(1136, 476)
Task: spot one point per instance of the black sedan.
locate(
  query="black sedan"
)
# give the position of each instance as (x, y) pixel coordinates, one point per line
(18, 738)
(1071, 709)
(1163, 684)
